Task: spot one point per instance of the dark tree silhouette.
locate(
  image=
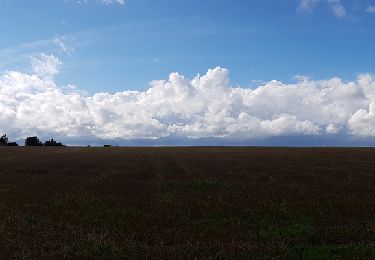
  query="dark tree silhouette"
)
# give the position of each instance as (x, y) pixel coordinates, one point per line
(33, 141)
(4, 140)
(52, 143)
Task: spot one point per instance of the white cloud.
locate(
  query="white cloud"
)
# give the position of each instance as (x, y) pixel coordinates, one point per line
(307, 4)
(120, 2)
(205, 106)
(45, 65)
(336, 6)
(370, 9)
(107, 2)
(62, 45)
(60, 42)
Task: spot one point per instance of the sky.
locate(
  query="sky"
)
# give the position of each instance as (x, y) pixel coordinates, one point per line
(173, 72)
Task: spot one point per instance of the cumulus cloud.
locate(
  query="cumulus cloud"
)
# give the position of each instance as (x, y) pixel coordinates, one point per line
(336, 6)
(205, 106)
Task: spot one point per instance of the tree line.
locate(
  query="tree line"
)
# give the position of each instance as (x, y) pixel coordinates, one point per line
(29, 141)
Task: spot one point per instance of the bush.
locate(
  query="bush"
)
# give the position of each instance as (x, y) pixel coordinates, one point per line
(33, 141)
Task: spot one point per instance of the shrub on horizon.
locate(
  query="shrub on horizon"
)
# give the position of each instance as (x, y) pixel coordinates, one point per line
(33, 141)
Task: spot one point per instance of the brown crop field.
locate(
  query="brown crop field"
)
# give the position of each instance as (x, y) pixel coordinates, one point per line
(173, 203)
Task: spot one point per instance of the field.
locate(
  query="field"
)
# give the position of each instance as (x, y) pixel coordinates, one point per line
(172, 203)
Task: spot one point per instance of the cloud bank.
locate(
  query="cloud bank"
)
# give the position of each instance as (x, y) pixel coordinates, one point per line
(205, 106)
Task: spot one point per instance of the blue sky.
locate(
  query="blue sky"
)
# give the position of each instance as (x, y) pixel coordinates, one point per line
(116, 47)
(267, 70)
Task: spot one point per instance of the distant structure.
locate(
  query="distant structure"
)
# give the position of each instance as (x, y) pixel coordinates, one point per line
(52, 143)
(33, 141)
(12, 144)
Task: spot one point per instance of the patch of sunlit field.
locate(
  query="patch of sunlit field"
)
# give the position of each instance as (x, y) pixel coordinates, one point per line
(197, 202)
